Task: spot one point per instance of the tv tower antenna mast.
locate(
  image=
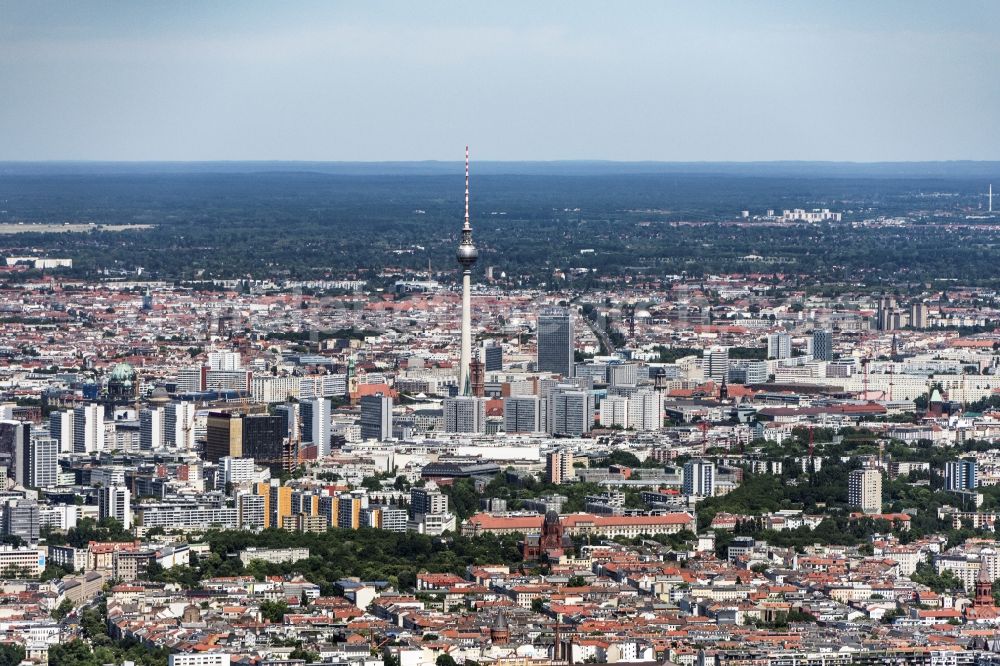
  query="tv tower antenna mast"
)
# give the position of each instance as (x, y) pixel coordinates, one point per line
(467, 255)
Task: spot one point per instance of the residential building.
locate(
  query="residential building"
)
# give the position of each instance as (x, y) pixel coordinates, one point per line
(116, 502)
(822, 344)
(559, 466)
(864, 490)
(960, 474)
(699, 478)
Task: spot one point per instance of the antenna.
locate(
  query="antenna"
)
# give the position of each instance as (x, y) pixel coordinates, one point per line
(466, 226)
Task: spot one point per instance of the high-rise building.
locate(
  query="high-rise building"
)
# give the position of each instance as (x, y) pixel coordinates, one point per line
(15, 437)
(376, 417)
(428, 500)
(116, 502)
(918, 315)
(151, 429)
(886, 315)
(178, 426)
(960, 474)
(224, 360)
(716, 364)
(88, 429)
(822, 345)
(465, 414)
(237, 470)
(523, 413)
(279, 504)
(699, 478)
(555, 341)
(289, 413)
(42, 462)
(316, 424)
(22, 519)
(645, 411)
(572, 412)
(559, 466)
(614, 412)
(61, 430)
(252, 513)
(393, 519)
(467, 256)
(264, 439)
(864, 490)
(779, 345)
(623, 374)
(349, 506)
(745, 371)
(492, 356)
(223, 436)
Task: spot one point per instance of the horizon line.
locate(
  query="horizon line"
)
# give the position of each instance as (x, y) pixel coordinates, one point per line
(492, 161)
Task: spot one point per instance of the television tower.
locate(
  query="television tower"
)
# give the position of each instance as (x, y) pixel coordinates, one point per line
(467, 255)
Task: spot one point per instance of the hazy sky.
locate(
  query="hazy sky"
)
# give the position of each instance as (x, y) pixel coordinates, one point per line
(369, 80)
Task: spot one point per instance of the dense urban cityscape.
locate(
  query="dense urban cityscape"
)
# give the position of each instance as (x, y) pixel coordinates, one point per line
(440, 467)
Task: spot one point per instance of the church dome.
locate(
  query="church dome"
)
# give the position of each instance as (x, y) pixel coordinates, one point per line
(123, 373)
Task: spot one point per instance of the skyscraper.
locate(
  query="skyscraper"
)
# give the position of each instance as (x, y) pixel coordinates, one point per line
(88, 429)
(572, 412)
(15, 436)
(315, 416)
(42, 462)
(716, 363)
(223, 436)
(376, 417)
(178, 425)
(263, 440)
(823, 345)
(492, 356)
(224, 360)
(467, 255)
(151, 429)
(61, 429)
(555, 341)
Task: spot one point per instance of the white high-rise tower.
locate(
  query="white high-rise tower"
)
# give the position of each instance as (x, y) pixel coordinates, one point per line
(467, 255)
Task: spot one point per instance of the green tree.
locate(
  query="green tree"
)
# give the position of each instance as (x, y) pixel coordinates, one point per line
(11, 654)
(60, 612)
(274, 610)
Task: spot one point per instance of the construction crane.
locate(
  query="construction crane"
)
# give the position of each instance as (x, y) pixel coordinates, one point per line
(864, 380)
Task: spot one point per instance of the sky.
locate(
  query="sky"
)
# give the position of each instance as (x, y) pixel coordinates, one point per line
(703, 80)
